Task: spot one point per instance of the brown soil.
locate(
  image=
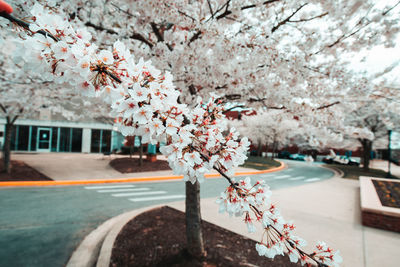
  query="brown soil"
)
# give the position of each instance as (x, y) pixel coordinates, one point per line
(157, 238)
(20, 171)
(128, 165)
(388, 192)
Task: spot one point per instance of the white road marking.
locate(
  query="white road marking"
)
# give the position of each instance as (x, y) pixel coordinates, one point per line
(312, 179)
(109, 186)
(139, 194)
(123, 190)
(266, 176)
(296, 178)
(281, 177)
(156, 198)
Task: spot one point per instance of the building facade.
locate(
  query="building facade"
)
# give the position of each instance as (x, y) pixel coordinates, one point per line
(62, 136)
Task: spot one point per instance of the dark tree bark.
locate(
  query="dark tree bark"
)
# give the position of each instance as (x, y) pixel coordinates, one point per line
(259, 149)
(367, 148)
(140, 152)
(194, 236)
(274, 145)
(7, 146)
(266, 150)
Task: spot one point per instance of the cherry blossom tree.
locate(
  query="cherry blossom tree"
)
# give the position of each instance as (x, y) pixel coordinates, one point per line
(368, 123)
(146, 103)
(268, 127)
(241, 49)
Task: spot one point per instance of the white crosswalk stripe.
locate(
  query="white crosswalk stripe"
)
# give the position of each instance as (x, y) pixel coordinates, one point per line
(281, 177)
(156, 198)
(312, 180)
(139, 194)
(123, 190)
(296, 178)
(109, 186)
(266, 176)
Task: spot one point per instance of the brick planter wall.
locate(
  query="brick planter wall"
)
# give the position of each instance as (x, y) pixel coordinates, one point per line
(373, 213)
(385, 222)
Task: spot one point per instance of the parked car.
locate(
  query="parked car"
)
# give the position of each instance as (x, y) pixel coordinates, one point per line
(344, 160)
(284, 155)
(296, 156)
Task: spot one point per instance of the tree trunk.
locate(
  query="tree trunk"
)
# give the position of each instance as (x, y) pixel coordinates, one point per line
(274, 145)
(367, 147)
(140, 152)
(7, 146)
(259, 149)
(194, 236)
(266, 150)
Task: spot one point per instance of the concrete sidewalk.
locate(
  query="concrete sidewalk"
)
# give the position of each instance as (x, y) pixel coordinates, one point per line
(79, 166)
(324, 211)
(383, 165)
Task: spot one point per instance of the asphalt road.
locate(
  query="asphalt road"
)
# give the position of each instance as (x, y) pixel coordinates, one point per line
(41, 226)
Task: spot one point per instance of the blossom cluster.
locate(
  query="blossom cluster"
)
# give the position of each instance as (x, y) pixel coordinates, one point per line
(149, 107)
(254, 202)
(201, 145)
(66, 56)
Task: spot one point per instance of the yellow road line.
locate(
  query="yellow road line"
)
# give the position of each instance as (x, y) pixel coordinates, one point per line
(127, 180)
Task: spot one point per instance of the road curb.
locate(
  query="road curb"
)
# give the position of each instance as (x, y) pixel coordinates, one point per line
(337, 173)
(96, 247)
(128, 180)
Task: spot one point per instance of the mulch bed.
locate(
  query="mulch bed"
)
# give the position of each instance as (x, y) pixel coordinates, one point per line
(128, 165)
(388, 192)
(157, 238)
(20, 171)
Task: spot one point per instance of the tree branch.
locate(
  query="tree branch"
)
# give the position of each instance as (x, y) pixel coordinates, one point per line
(25, 25)
(228, 12)
(211, 11)
(3, 108)
(194, 37)
(390, 9)
(99, 28)
(160, 37)
(229, 109)
(135, 35)
(308, 19)
(14, 119)
(328, 106)
(283, 22)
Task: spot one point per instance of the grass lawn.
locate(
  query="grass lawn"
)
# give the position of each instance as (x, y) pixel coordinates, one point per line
(260, 163)
(354, 172)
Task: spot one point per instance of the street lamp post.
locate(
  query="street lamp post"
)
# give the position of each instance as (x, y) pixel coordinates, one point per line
(389, 175)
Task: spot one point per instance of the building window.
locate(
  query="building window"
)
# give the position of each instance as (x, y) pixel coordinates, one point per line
(54, 132)
(33, 137)
(95, 141)
(76, 140)
(100, 141)
(106, 141)
(65, 139)
(23, 138)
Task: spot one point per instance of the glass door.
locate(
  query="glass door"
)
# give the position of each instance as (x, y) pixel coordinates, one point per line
(44, 139)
